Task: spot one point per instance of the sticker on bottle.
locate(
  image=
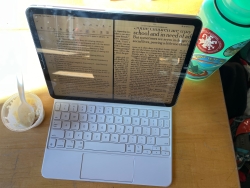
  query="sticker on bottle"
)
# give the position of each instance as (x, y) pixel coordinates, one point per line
(232, 50)
(202, 66)
(209, 42)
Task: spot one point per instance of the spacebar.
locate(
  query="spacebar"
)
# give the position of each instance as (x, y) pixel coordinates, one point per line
(96, 146)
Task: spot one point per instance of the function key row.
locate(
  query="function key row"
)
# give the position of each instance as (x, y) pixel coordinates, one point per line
(99, 118)
(65, 107)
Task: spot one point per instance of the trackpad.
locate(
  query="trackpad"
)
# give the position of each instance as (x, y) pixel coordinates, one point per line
(107, 167)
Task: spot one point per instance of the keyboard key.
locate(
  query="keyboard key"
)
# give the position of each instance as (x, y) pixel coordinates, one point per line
(162, 141)
(135, 121)
(160, 123)
(57, 106)
(143, 113)
(105, 137)
(87, 136)
(155, 131)
(146, 130)
(92, 117)
(66, 125)
(100, 118)
(144, 121)
(167, 153)
(165, 132)
(134, 112)
(74, 125)
(91, 109)
(156, 114)
(148, 152)
(156, 148)
(57, 115)
(69, 134)
(96, 136)
(153, 122)
(82, 108)
(137, 130)
(147, 147)
(141, 140)
(65, 116)
(73, 107)
(124, 138)
(117, 111)
(110, 147)
(164, 114)
(52, 143)
(150, 113)
(130, 148)
(127, 120)
(102, 127)
(64, 107)
(151, 140)
(73, 116)
(164, 148)
(108, 110)
(114, 138)
(125, 111)
(84, 126)
(78, 144)
(83, 117)
(78, 135)
(166, 123)
(111, 128)
(118, 119)
(128, 129)
(156, 152)
(120, 129)
(99, 109)
(56, 124)
(69, 144)
(93, 127)
(60, 143)
(109, 119)
(132, 139)
(57, 133)
(138, 149)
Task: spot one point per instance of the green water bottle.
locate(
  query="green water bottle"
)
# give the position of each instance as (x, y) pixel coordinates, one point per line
(226, 29)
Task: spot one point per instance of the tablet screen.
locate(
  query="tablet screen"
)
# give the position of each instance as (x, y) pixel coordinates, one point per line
(113, 59)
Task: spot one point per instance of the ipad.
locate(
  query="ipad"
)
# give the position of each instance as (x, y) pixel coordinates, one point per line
(125, 57)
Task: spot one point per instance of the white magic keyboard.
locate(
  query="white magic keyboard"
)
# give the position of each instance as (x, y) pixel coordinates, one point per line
(110, 128)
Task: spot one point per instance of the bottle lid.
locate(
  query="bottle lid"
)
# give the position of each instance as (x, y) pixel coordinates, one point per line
(237, 11)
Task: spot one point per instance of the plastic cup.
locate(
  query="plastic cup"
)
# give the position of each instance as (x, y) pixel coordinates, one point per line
(9, 112)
